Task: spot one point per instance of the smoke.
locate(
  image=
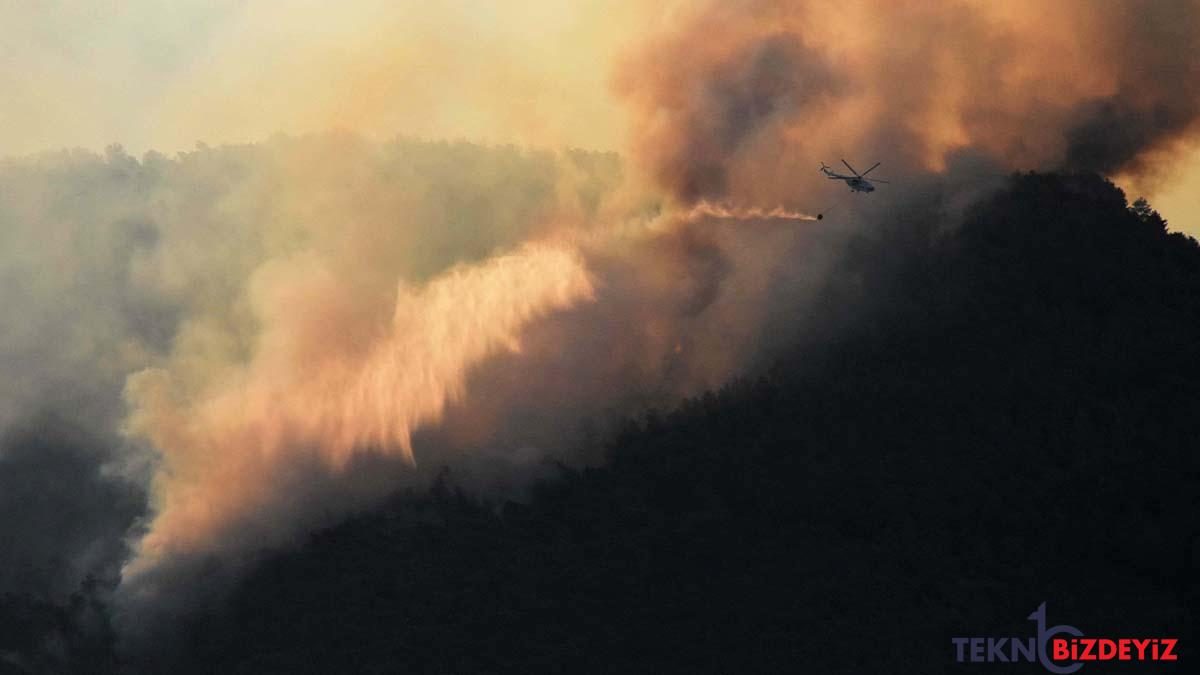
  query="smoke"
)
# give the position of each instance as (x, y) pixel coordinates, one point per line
(74, 324)
(740, 100)
(195, 347)
(714, 109)
(320, 365)
(319, 381)
(251, 341)
(360, 316)
(1157, 88)
(67, 513)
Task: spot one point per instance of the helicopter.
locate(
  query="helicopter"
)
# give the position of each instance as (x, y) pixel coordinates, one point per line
(857, 182)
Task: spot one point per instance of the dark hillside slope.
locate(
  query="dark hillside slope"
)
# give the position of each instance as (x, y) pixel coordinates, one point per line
(1014, 421)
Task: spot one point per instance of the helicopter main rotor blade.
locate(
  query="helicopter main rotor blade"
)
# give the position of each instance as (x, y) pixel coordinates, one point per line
(872, 168)
(850, 167)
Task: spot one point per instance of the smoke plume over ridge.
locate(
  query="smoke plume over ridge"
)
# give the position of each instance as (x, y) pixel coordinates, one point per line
(264, 337)
(302, 391)
(739, 100)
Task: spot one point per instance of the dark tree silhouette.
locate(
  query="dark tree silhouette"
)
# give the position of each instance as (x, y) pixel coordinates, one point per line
(1007, 415)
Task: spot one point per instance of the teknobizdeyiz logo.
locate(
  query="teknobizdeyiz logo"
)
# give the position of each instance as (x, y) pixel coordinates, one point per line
(1061, 649)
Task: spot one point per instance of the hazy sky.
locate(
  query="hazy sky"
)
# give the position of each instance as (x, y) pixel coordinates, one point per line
(163, 75)
(253, 338)
(1179, 197)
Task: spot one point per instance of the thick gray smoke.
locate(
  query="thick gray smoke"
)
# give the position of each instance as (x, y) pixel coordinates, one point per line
(113, 266)
(211, 354)
(68, 513)
(75, 322)
(740, 100)
(214, 353)
(1157, 97)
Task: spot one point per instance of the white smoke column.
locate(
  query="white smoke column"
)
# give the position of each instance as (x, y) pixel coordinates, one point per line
(312, 390)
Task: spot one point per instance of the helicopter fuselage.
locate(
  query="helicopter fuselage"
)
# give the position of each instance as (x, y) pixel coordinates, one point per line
(859, 185)
(857, 182)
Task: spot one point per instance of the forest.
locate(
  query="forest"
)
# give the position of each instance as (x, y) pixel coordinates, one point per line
(995, 415)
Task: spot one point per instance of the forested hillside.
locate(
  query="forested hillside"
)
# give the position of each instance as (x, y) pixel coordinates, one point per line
(1010, 416)
(1013, 420)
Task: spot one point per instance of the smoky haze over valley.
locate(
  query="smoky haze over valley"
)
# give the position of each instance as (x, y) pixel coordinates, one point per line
(356, 342)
